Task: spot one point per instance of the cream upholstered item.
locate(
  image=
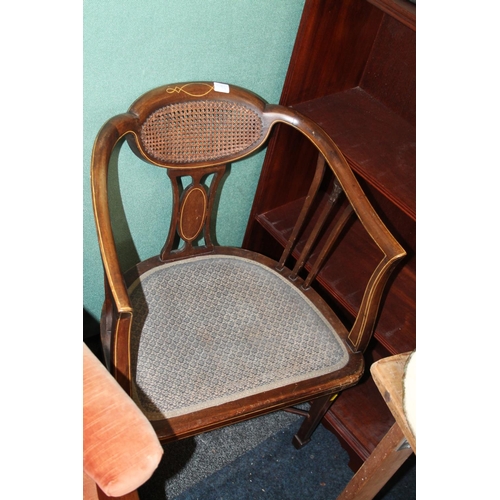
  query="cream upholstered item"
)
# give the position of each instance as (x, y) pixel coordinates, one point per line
(395, 377)
(410, 392)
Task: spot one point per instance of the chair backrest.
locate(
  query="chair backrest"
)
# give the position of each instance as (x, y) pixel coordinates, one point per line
(196, 129)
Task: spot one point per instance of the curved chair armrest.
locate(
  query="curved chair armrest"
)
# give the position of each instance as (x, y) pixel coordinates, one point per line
(393, 252)
(109, 135)
(120, 447)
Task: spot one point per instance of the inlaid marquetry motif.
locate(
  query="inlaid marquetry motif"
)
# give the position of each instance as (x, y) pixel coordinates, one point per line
(178, 90)
(192, 213)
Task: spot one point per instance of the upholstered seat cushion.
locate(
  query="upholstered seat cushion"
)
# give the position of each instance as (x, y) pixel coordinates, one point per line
(214, 329)
(120, 447)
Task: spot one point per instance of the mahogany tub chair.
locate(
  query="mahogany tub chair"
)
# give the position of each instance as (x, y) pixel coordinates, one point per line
(202, 335)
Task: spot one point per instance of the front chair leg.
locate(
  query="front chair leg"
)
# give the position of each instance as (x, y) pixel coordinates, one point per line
(318, 409)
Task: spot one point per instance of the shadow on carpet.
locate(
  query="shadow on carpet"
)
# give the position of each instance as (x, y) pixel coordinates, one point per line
(256, 459)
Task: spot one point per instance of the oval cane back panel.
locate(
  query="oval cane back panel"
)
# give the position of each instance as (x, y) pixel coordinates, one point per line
(200, 131)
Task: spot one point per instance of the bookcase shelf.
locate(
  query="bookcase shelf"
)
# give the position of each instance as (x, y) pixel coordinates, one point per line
(352, 71)
(377, 143)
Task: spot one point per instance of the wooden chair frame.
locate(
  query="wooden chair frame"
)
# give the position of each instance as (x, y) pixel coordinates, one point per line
(197, 200)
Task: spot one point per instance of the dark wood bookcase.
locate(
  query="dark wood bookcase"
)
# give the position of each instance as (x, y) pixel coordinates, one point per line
(353, 71)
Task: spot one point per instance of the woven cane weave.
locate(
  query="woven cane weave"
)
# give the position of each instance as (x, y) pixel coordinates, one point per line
(214, 329)
(199, 131)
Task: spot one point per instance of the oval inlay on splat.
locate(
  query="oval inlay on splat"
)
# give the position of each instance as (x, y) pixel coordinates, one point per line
(192, 213)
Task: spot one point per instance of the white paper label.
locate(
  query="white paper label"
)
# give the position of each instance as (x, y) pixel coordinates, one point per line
(221, 87)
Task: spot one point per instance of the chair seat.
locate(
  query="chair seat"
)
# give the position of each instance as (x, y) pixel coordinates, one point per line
(215, 329)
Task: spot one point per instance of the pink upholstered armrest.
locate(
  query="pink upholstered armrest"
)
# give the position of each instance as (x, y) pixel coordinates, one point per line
(120, 447)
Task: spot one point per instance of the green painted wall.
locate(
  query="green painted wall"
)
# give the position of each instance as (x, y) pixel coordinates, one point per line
(131, 46)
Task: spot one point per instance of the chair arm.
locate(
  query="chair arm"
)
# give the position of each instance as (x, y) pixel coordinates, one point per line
(120, 447)
(109, 135)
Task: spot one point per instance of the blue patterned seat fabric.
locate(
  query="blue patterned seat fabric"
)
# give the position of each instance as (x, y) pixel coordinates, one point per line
(214, 329)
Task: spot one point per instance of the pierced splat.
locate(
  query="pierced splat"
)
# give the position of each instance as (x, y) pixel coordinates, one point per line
(191, 211)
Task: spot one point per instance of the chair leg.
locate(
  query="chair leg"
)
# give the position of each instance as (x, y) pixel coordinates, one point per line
(318, 409)
(379, 467)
